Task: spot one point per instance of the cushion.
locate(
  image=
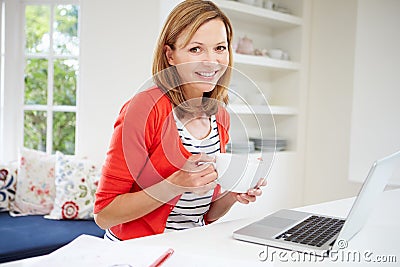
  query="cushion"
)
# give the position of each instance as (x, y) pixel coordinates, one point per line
(30, 236)
(76, 182)
(35, 191)
(8, 180)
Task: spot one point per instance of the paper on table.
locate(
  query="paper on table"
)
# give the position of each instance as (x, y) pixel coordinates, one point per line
(90, 251)
(198, 260)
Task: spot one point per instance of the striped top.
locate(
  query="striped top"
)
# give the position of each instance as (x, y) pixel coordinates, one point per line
(190, 209)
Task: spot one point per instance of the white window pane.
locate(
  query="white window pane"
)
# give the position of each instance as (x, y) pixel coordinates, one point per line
(65, 35)
(37, 29)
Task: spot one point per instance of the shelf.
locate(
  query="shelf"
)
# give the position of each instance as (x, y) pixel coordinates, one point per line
(283, 155)
(266, 62)
(262, 109)
(272, 18)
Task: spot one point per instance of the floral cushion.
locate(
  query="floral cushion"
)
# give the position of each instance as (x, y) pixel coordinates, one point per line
(8, 180)
(76, 183)
(35, 191)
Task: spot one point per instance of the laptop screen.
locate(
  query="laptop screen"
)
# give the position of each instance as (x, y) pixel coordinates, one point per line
(375, 183)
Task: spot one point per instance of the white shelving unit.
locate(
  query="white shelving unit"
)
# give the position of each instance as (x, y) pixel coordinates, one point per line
(277, 80)
(283, 85)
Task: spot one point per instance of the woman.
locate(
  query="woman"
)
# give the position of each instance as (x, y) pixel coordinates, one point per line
(158, 174)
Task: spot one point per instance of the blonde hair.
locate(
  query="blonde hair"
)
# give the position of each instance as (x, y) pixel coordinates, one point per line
(189, 16)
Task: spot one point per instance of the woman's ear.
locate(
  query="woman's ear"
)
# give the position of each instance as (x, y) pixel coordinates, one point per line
(168, 53)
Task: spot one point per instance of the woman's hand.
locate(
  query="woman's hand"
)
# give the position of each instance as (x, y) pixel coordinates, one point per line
(197, 175)
(222, 205)
(251, 194)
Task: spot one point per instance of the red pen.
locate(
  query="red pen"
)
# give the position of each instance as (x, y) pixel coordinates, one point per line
(162, 258)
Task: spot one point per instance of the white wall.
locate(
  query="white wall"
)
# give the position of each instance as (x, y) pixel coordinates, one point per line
(375, 130)
(330, 101)
(117, 43)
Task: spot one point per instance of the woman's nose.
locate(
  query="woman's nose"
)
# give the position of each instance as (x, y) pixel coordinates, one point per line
(210, 56)
(210, 63)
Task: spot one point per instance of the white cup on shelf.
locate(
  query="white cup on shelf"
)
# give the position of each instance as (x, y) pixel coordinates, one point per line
(275, 53)
(285, 56)
(269, 5)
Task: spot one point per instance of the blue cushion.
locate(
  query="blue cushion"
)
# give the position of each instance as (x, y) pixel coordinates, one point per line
(29, 236)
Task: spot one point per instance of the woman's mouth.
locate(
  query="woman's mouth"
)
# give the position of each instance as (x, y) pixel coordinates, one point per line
(209, 75)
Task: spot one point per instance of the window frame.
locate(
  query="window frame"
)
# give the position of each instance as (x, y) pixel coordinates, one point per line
(2, 56)
(10, 113)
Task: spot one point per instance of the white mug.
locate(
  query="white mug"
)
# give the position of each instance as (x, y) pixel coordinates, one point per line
(238, 172)
(270, 5)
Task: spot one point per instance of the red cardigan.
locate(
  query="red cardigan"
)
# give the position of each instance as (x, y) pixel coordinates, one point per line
(146, 148)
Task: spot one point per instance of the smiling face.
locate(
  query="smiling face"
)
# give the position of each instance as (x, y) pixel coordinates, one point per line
(203, 61)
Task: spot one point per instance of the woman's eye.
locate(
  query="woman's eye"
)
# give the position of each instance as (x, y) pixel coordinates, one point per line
(221, 48)
(195, 50)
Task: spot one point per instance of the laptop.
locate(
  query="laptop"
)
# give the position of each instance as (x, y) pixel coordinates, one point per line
(314, 233)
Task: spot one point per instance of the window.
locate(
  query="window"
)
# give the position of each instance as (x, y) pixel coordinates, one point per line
(51, 69)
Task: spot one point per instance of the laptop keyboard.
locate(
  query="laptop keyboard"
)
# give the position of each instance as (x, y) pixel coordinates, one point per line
(314, 231)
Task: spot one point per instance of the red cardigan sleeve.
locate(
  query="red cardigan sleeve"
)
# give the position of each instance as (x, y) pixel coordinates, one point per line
(133, 130)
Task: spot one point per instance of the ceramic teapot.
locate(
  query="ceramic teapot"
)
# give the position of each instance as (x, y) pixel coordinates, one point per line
(245, 46)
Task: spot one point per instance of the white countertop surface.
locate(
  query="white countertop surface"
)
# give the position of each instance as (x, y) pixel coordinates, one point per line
(213, 245)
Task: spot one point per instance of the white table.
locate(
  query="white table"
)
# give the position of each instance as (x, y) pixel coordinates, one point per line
(213, 245)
